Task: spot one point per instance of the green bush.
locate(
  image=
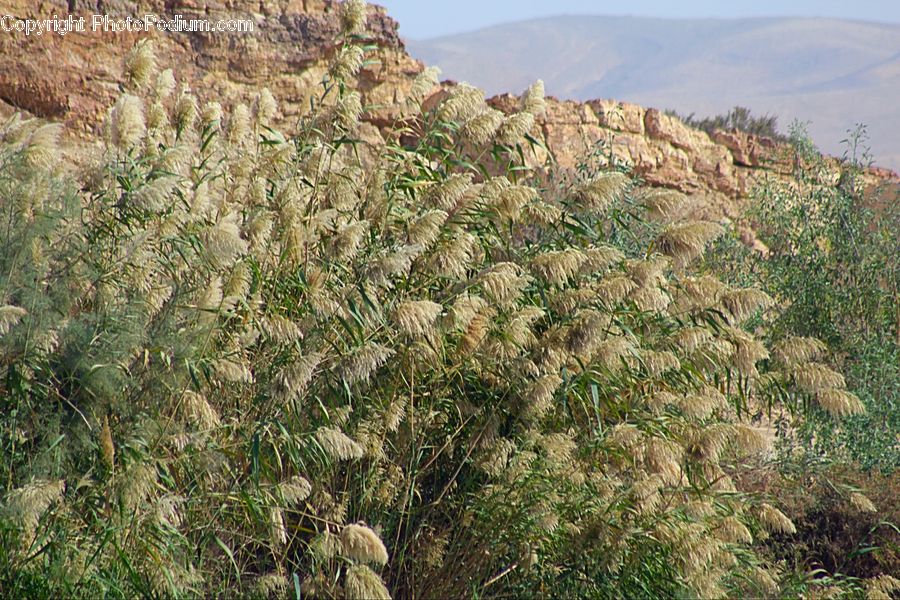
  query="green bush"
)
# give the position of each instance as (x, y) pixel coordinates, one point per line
(240, 363)
(832, 265)
(738, 118)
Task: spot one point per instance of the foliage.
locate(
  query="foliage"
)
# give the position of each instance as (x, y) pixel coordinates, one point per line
(832, 263)
(738, 118)
(235, 362)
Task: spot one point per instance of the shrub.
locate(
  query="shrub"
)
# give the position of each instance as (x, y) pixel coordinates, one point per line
(832, 265)
(738, 118)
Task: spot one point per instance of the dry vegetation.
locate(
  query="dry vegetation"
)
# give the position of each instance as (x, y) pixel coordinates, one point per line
(236, 363)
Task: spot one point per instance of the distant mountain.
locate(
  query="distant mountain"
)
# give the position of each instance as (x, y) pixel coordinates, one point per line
(830, 73)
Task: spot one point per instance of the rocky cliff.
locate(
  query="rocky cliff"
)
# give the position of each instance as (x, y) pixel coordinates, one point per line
(74, 78)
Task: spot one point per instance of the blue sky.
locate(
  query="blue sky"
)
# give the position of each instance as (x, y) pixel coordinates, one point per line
(420, 19)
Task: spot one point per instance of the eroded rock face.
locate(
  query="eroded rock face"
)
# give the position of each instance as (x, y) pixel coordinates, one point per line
(719, 170)
(74, 78)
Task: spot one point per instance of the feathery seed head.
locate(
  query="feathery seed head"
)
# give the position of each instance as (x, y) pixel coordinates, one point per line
(417, 317)
(764, 581)
(26, 505)
(537, 398)
(155, 196)
(42, 146)
(509, 202)
(503, 283)
(426, 228)
(586, 332)
(881, 587)
(692, 338)
(234, 371)
(747, 351)
(337, 444)
(775, 521)
(294, 378)
(686, 241)
(346, 243)
(558, 266)
(197, 409)
(164, 85)
(239, 125)
(567, 301)
(211, 115)
(185, 111)
(698, 293)
(167, 510)
(514, 128)
(792, 350)
(222, 242)
(646, 494)
(347, 63)
(277, 529)
(136, 486)
(353, 17)
(361, 583)
(422, 85)
(815, 377)
(9, 316)
(533, 99)
(140, 63)
(542, 213)
(861, 503)
(157, 118)
(750, 439)
(599, 193)
(364, 361)
(349, 108)
(840, 403)
(280, 329)
(658, 363)
(496, 456)
(625, 436)
(447, 193)
(743, 303)
(663, 458)
(461, 104)
(272, 584)
(613, 352)
(126, 122)
(363, 545)
(464, 309)
(482, 127)
(713, 440)
(393, 264)
(657, 402)
(650, 298)
(649, 271)
(107, 448)
(661, 203)
(266, 107)
(701, 405)
(615, 288)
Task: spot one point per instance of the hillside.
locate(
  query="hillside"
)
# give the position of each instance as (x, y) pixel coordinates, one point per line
(282, 315)
(829, 72)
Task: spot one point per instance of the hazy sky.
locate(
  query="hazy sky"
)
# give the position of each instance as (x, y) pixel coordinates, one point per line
(420, 19)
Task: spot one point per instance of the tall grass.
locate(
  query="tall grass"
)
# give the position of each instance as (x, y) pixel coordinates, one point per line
(241, 363)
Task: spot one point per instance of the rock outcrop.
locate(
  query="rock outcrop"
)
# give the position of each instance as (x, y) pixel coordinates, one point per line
(74, 78)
